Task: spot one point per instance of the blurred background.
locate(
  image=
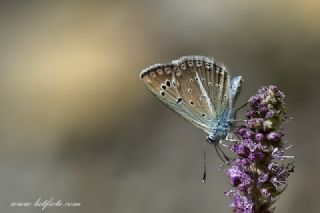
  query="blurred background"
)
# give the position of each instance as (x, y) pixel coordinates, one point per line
(78, 125)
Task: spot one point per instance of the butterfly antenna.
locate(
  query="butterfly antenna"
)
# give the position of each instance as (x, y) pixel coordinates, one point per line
(204, 162)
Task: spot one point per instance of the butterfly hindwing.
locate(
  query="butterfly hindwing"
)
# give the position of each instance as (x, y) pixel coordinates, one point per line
(213, 81)
(236, 83)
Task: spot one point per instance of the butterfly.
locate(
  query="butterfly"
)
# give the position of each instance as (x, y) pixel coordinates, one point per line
(199, 89)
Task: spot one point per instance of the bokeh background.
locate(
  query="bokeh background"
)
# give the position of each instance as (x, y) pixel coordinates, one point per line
(77, 124)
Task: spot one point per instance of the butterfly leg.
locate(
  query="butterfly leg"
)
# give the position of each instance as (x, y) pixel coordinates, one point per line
(235, 112)
(221, 153)
(231, 137)
(238, 120)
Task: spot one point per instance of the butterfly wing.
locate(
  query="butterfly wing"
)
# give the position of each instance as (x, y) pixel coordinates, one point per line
(175, 86)
(195, 87)
(214, 81)
(236, 83)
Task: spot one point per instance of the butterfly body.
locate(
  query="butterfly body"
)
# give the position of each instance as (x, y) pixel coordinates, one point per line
(199, 89)
(220, 128)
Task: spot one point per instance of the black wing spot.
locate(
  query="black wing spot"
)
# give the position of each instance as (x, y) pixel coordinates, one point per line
(163, 87)
(196, 78)
(191, 102)
(191, 80)
(178, 100)
(168, 83)
(209, 83)
(203, 115)
(162, 93)
(189, 90)
(203, 79)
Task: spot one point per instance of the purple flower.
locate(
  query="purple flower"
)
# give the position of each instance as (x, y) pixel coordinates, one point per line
(242, 131)
(234, 175)
(249, 144)
(256, 175)
(242, 204)
(255, 156)
(249, 134)
(259, 137)
(274, 136)
(255, 123)
(270, 114)
(263, 177)
(265, 193)
(239, 149)
(251, 113)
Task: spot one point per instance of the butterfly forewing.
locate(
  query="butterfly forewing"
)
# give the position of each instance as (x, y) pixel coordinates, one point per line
(163, 81)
